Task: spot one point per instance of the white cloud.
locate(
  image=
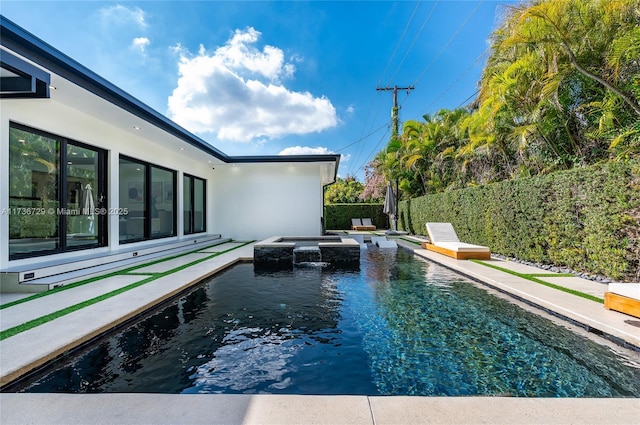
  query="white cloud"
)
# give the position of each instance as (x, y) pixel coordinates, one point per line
(140, 43)
(122, 15)
(305, 150)
(237, 93)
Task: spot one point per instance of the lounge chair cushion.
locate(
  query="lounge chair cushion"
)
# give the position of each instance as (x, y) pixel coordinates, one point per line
(623, 297)
(463, 247)
(357, 224)
(629, 290)
(442, 232)
(444, 240)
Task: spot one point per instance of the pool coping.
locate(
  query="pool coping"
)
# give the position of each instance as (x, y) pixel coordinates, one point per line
(264, 409)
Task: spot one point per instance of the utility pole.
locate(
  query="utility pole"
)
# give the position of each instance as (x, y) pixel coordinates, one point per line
(394, 134)
(394, 110)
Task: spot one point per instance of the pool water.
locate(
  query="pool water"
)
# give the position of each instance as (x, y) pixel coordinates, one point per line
(398, 326)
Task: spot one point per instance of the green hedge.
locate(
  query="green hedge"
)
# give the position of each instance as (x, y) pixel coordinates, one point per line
(587, 219)
(338, 216)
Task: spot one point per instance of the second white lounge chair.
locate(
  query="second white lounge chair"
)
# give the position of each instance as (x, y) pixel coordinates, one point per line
(444, 240)
(623, 297)
(364, 224)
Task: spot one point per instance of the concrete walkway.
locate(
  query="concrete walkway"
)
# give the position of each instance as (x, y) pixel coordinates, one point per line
(146, 286)
(155, 409)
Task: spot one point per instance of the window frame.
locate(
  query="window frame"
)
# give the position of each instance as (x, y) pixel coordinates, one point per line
(62, 182)
(148, 187)
(191, 230)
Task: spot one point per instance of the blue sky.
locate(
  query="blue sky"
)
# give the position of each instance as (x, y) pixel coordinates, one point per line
(268, 78)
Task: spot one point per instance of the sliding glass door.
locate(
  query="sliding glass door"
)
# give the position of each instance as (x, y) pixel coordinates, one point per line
(194, 201)
(147, 203)
(56, 192)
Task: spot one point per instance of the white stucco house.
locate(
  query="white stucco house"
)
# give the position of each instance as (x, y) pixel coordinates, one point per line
(87, 170)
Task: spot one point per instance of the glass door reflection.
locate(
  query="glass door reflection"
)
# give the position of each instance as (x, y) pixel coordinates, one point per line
(82, 213)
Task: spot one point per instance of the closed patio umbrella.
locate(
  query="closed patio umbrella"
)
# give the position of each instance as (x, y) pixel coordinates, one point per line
(390, 207)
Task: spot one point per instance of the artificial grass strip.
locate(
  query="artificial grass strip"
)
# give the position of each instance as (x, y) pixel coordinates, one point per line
(412, 241)
(127, 270)
(532, 277)
(56, 314)
(200, 260)
(59, 289)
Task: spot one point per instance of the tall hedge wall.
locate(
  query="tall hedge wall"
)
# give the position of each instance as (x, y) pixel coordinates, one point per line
(338, 216)
(587, 219)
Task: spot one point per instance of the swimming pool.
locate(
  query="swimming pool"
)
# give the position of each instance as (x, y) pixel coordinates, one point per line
(399, 325)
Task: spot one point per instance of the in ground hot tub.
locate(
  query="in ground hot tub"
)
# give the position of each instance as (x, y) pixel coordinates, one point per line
(286, 251)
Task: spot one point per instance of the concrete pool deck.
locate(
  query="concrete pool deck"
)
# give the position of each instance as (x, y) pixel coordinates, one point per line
(149, 285)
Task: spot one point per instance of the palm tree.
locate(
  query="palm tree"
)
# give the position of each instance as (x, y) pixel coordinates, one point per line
(590, 49)
(560, 88)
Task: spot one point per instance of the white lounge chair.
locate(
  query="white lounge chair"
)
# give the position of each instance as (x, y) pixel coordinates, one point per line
(623, 297)
(383, 242)
(360, 240)
(444, 240)
(358, 224)
(366, 222)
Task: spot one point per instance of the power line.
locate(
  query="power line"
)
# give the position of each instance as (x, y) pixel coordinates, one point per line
(395, 108)
(373, 150)
(465, 101)
(445, 91)
(363, 137)
(448, 42)
(394, 117)
(414, 40)
(399, 42)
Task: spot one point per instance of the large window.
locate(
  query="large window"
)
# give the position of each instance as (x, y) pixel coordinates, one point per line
(57, 188)
(195, 200)
(147, 202)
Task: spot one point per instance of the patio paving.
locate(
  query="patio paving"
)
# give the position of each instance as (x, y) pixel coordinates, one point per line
(168, 265)
(240, 409)
(222, 247)
(18, 314)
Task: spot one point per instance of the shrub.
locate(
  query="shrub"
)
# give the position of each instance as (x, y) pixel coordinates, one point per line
(338, 216)
(587, 219)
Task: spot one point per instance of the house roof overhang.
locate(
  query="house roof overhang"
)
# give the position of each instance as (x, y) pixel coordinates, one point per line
(79, 87)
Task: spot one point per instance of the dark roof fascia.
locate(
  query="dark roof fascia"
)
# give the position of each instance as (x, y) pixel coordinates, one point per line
(28, 45)
(288, 158)
(37, 79)
(285, 158)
